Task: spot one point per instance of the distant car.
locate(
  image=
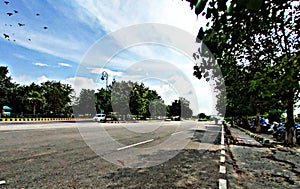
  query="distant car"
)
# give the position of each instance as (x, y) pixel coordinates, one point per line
(99, 117)
(111, 117)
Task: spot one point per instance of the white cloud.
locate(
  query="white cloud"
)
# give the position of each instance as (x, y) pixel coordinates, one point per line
(113, 15)
(40, 64)
(22, 79)
(27, 79)
(64, 64)
(59, 46)
(21, 56)
(110, 73)
(42, 79)
(79, 83)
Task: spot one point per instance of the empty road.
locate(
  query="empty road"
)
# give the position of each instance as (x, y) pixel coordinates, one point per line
(103, 155)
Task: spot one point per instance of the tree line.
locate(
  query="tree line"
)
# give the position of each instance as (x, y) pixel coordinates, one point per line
(256, 45)
(130, 98)
(48, 98)
(55, 99)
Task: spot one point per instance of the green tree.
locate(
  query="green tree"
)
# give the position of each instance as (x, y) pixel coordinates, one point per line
(261, 39)
(120, 97)
(202, 116)
(138, 101)
(181, 108)
(157, 108)
(5, 86)
(103, 100)
(35, 98)
(129, 97)
(58, 97)
(86, 103)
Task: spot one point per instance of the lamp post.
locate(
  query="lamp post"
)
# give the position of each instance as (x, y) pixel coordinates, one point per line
(105, 76)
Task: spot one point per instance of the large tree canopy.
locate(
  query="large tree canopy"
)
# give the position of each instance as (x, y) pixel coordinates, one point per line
(256, 44)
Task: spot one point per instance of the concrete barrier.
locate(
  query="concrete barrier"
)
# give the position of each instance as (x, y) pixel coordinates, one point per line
(39, 119)
(262, 140)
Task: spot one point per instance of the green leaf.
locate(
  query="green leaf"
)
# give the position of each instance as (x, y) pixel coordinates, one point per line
(200, 6)
(254, 4)
(230, 8)
(200, 35)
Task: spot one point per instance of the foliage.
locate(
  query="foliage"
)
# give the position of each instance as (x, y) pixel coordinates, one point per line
(58, 99)
(136, 99)
(6, 87)
(35, 98)
(256, 44)
(181, 108)
(203, 116)
(47, 98)
(86, 102)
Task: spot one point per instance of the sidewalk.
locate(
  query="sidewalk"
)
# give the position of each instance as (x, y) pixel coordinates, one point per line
(251, 164)
(242, 138)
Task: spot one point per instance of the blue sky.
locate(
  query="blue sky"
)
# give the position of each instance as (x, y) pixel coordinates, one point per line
(57, 36)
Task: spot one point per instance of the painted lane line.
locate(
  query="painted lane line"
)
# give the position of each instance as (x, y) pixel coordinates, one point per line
(222, 159)
(176, 133)
(222, 152)
(222, 136)
(222, 169)
(222, 184)
(136, 144)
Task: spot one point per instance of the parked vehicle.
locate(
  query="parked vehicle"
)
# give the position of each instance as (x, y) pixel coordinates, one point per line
(273, 127)
(279, 132)
(298, 132)
(252, 125)
(99, 117)
(264, 125)
(111, 117)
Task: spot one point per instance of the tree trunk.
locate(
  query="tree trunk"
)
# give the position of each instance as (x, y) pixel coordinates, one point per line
(290, 124)
(258, 126)
(34, 109)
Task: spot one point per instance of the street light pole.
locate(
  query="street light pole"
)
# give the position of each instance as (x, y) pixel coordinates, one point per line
(105, 76)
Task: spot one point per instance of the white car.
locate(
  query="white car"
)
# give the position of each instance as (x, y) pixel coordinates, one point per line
(99, 117)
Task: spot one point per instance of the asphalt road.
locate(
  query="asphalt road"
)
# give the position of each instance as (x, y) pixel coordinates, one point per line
(90, 155)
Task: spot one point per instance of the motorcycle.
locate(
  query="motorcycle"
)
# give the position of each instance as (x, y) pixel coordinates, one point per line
(265, 126)
(272, 127)
(298, 132)
(279, 132)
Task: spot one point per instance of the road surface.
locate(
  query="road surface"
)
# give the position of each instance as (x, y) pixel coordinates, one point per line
(124, 155)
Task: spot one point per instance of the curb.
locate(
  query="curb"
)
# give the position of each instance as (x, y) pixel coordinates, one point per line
(39, 120)
(35, 119)
(236, 137)
(264, 141)
(222, 170)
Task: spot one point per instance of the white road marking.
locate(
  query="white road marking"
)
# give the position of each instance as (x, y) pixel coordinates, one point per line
(223, 152)
(222, 184)
(222, 159)
(17, 131)
(176, 133)
(136, 144)
(222, 136)
(222, 169)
